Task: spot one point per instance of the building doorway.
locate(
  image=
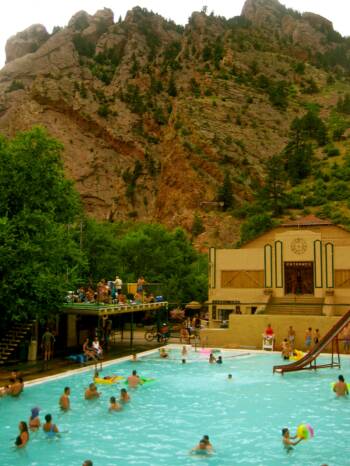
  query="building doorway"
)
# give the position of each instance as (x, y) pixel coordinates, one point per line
(299, 278)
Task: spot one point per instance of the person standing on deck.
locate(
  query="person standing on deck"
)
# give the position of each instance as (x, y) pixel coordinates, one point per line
(47, 343)
(291, 337)
(308, 338)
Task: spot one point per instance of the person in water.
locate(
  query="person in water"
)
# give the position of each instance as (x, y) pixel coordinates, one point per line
(287, 440)
(49, 427)
(212, 358)
(163, 353)
(202, 448)
(229, 377)
(64, 401)
(23, 438)
(34, 420)
(134, 380)
(219, 360)
(124, 396)
(207, 441)
(91, 392)
(340, 388)
(114, 405)
(16, 387)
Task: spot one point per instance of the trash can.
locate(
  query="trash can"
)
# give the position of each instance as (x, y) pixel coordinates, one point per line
(33, 350)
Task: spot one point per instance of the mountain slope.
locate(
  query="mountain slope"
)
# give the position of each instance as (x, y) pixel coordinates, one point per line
(153, 116)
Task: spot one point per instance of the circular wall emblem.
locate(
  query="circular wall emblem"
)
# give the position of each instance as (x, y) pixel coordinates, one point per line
(298, 246)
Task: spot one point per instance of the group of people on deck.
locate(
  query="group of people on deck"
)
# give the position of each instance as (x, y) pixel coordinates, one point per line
(110, 291)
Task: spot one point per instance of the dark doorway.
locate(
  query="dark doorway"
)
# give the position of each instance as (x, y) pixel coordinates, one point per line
(299, 277)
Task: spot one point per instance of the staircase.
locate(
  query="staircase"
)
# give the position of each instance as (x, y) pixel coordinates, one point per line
(295, 305)
(11, 341)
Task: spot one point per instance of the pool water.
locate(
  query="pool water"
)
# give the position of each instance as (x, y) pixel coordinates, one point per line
(167, 417)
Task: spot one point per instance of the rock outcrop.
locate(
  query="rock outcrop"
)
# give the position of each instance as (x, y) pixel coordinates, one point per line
(153, 115)
(27, 41)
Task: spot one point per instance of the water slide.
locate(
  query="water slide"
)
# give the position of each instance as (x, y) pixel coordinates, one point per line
(309, 360)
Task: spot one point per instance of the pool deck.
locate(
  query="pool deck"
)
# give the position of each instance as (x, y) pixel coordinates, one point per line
(31, 370)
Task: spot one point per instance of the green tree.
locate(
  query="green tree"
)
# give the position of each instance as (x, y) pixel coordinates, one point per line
(39, 259)
(255, 226)
(274, 186)
(161, 256)
(172, 91)
(225, 192)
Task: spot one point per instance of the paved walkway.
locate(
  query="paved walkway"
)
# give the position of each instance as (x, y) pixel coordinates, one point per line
(35, 369)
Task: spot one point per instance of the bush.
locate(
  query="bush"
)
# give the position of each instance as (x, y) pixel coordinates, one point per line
(103, 110)
(83, 46)
(255, 226)
(15, 86)
(331, 151)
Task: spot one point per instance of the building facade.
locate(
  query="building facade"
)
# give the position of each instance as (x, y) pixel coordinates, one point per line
(300, 269)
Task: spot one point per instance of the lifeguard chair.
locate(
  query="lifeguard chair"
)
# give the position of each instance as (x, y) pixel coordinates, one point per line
(267, 343)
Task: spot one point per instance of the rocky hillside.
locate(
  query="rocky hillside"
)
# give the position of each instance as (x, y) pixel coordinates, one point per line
(154, 117)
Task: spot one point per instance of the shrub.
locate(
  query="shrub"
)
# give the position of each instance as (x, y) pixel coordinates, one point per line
(83, 46)
(15, 86)
(103, 110)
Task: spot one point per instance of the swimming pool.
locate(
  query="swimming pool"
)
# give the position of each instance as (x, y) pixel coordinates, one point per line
(166, 418)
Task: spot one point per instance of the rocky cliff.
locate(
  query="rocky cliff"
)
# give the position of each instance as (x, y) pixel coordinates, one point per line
(153, 115)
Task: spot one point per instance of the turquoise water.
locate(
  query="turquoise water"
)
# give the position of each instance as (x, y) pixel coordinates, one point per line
(166, 418)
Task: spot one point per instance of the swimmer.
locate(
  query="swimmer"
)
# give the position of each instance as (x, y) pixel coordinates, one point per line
(134, 380)
(16, 387)
(134, 358)
(340, 388)
(64, 401)
(219, 360)
(207, 441)
(4, 390)
(184, 351)
(124, 396)
(114, 405)
(287, 440)
(201, 448)
(229, 377)
(88, 463)
(23, 437)
(91, 392)
(163, 353)
(34, 420)
(285, 349)
(183, 361)
(212, 359)
(50, 428)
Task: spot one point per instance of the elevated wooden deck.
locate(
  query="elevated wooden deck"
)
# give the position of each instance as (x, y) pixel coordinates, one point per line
(111, 309)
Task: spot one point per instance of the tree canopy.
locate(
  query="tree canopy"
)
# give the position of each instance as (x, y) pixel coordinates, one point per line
(39, 259)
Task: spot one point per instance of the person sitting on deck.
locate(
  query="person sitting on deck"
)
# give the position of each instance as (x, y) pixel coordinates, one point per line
(88, 350)
(269, 333)
(97, 348)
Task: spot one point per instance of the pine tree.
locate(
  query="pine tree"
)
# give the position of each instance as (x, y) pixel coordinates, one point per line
(225, 192)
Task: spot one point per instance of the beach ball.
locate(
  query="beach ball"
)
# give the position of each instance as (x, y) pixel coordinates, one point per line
(305, 431)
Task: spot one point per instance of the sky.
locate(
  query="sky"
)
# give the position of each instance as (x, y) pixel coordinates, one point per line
(20, 14)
